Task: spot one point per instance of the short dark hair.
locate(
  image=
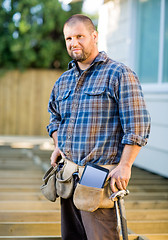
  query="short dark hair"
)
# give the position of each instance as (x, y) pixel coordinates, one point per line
(81, 18)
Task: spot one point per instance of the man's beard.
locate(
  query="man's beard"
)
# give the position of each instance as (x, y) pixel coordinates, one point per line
(79, 57)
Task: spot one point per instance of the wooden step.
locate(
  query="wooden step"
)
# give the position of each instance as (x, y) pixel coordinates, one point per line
(145, 176)
(33, 174)
(14, 167)
(18, 181)
(147, 214)
(30, 229)
(24, 196)
(30, 216)
(21, 188)
(148, 188)
(148, 204)
(147, 196)
(161, 236)
(29, 205)
(148, 182)
(147, 227)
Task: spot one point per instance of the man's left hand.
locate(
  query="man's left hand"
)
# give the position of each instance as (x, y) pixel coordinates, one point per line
(119, 177)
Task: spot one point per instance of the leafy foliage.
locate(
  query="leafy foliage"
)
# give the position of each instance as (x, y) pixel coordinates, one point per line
(31, 33)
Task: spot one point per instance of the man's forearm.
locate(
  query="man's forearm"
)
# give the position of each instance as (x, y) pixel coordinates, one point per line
(129, 155)
(55, 139)
(121, 174)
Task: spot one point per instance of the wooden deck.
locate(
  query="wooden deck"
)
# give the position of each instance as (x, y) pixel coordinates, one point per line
(26, 214)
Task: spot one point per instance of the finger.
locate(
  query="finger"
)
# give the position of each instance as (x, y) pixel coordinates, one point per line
(53, 163)
(63, 156)
(113, 185)
(119, 184)
(124, 185)
(53, 160)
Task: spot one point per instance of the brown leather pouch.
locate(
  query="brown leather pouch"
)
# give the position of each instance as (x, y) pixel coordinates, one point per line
(90, 199)
(48, 189)
(65, 180)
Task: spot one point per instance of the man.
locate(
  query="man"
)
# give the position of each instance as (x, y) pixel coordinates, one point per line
(98, 115)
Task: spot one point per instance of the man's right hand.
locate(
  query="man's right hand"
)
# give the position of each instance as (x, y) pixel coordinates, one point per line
(55, 156)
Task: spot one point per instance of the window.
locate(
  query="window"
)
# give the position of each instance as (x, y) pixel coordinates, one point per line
(152, 41)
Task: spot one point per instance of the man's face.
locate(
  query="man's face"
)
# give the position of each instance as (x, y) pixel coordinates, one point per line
(80, 42)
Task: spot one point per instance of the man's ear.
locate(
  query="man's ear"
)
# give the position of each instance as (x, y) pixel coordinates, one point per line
(95, 36)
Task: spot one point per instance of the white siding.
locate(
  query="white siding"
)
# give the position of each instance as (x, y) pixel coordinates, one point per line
(117, 38)
(115, 24)
(154, 156)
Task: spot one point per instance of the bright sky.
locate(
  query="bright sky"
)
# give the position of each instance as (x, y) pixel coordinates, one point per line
(91, 6)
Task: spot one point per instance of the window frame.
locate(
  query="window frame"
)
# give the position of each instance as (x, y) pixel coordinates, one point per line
(160, 86)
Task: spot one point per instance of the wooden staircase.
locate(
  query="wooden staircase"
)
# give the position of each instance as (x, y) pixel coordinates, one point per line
(26, 214)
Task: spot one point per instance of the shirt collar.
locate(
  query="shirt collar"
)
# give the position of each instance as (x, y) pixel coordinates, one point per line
(101, 57)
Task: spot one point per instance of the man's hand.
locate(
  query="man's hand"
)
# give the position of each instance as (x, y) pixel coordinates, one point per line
(54, 156)
(121, 174)
(57, 152)
(119, 178)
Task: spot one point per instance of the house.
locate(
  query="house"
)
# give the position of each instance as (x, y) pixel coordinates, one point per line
(135, 32)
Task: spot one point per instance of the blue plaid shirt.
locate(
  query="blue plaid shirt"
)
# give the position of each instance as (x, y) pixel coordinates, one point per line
(97, 112)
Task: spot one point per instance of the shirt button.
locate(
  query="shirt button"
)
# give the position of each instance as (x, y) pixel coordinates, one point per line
(69, 136)
(76, 74)
(68, 153)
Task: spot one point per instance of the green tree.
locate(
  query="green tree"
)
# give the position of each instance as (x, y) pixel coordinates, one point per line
(31, 33)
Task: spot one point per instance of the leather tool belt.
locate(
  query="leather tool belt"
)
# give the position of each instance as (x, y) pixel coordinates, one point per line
(59, 182)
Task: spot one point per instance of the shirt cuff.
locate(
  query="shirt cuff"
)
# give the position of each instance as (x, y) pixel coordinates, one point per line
(132, 139)
(51, 129)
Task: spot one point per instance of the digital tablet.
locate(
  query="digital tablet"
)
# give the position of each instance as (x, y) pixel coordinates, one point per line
(94, 175)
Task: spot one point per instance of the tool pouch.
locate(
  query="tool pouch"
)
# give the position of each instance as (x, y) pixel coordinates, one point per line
(48, 189)
(90, 198)
(65, 180)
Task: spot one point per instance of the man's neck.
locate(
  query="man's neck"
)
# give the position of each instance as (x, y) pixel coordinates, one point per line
(85, 64)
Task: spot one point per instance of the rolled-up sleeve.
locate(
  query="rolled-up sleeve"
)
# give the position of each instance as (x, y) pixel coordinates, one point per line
(134, 116)
(55, 117)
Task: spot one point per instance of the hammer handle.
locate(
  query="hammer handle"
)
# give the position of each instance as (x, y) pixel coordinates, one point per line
(123, 218)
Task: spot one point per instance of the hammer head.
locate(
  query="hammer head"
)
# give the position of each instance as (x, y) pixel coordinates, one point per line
(119, 194)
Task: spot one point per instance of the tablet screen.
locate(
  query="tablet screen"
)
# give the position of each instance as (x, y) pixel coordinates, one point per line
(94, 176)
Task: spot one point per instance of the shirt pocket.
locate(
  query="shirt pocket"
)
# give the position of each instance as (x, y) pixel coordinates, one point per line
(64, 102)
(96, 99)
(100, 101)
(63, 95)
(95, 91)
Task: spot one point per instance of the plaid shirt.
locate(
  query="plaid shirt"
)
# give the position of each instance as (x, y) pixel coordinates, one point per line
(96, 113)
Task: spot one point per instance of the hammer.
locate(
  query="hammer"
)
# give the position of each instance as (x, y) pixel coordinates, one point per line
(118, 198)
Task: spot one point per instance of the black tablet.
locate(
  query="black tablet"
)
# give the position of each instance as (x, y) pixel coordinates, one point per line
(94, 175)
